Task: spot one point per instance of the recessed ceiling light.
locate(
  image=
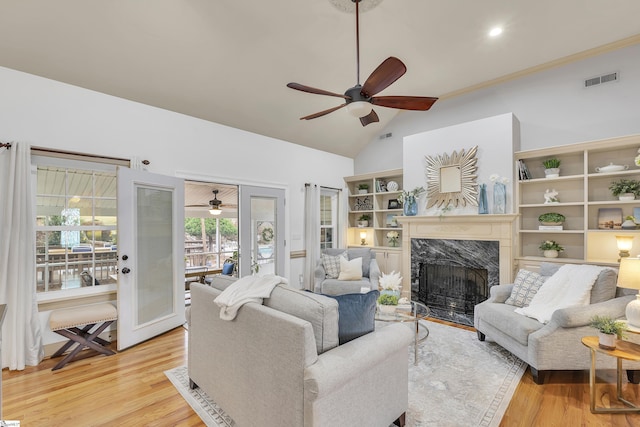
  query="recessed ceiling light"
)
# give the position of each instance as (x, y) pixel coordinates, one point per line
(495, 32)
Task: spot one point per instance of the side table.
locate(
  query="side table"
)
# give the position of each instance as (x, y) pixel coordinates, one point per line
(414, 312)
(624, 351)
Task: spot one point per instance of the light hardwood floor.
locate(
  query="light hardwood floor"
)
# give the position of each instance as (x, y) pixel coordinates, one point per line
(130, 389)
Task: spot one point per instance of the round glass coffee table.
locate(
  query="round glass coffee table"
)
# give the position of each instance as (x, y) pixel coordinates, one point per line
(413, 312)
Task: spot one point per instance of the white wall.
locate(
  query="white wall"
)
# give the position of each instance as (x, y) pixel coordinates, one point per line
(552, 106)
(50, 114)
(497, 139)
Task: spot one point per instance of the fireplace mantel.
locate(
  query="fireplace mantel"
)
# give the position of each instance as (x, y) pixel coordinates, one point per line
(459, 227)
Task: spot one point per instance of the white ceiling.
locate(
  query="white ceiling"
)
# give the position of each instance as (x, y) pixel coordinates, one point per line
(228, 61)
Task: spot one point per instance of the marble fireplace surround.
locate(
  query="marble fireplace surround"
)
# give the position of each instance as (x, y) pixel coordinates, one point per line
(459, 227)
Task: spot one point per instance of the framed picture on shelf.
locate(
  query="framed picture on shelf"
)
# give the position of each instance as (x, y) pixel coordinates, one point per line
(636, 214)
(391, 220)
(393, 204)
(610, 218)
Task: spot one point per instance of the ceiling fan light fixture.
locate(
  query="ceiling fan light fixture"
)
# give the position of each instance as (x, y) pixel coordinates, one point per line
(215, 211)
(359, 108)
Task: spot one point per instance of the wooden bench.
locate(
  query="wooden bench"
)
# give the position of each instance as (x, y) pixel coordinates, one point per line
(67, 322)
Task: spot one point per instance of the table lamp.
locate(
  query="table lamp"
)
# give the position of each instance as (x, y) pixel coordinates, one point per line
(363, 237)
(629, 277)
(625, 243)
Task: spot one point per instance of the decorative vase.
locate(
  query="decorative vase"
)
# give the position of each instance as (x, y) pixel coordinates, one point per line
(550, 253)
(410, 206)
(607, 341)
(483, 205)
(388, 309)
(393, 243)
(499, 198)
(625, 197)
(363, 224)
(552, 173)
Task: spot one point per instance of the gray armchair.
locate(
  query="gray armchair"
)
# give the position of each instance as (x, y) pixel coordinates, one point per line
(370, 273)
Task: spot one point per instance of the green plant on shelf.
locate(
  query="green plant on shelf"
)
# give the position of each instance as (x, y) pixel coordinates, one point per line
(624, 186)
(550, 245)
(551, 163)
(364, 217)
(363, 186)
(551, 217)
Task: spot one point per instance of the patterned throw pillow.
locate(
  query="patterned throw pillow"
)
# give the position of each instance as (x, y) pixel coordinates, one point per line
(331, 264)
(525, 287)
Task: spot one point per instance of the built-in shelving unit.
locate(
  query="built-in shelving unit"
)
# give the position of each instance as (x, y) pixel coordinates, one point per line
(375, 202)
(582, 193)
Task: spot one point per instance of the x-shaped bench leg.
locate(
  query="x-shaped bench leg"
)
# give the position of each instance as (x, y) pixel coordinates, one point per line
(83, 338)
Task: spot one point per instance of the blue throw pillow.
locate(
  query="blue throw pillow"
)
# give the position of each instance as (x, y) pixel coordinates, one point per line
(356, 315)
(227, 268)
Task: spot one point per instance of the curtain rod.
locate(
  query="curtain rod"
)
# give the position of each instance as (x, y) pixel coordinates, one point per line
(6, 145)
(307, 184)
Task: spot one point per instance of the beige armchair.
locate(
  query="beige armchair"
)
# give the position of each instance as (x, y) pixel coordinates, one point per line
(333, 286)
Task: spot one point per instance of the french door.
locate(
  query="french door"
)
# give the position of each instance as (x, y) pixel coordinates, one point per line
(150, 254)
(262, 233)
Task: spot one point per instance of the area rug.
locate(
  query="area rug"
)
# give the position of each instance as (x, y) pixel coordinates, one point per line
(459, 381)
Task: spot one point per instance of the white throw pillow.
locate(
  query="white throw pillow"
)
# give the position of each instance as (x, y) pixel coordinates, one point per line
(525, 287)
(350, 270)
(331, 264)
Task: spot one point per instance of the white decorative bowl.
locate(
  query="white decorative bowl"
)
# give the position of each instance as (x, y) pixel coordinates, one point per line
(612, 168)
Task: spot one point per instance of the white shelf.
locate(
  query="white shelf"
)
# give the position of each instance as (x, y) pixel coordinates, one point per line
(582, 191)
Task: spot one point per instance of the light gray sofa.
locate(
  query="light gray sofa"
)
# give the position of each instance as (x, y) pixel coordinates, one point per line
(370, 273)
(556, 345)
(279, 364)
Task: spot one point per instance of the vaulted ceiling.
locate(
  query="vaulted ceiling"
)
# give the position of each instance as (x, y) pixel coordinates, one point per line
(228, 61)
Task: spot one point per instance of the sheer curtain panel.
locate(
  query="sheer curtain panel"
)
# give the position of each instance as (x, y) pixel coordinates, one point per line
(21, 333)
(311, 232)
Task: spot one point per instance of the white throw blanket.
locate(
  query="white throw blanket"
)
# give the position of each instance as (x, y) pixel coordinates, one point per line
(244, 290)
(569, 286)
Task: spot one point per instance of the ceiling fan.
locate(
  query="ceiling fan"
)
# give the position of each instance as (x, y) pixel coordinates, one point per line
(215, 204)
(360, 99)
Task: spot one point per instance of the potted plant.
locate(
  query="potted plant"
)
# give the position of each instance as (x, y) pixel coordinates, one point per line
(551, 218)
(390, 283)
(550, 248)
(629, 223)
(608, 330)
(625, 189)
(363, 220)
(551, 167)
(388, 303)
(363, 188)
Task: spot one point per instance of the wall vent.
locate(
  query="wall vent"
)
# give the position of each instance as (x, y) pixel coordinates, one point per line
(605, 78)
(386, 135)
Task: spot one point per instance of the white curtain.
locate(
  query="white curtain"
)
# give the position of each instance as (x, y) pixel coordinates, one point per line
(311, 232)
(21, 333)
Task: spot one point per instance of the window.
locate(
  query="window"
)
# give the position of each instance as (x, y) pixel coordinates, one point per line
(76, 223)
(328, 218)
(220, 241)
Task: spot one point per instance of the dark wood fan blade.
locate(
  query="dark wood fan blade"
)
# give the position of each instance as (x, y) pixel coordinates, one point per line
(421, 103)
(309, 89)
(372, 117)
(322, 113)
(388, 72)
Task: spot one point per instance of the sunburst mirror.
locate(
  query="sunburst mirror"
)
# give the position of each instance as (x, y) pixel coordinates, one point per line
(451, 179)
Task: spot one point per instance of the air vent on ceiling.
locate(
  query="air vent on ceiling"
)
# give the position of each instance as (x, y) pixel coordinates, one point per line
(386, 135)
(605, 78)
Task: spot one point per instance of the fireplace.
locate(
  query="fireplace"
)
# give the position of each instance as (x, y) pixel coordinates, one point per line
(469, 242)
(452, 276)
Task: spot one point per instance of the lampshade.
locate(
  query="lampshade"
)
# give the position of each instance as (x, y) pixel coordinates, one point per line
(629, 277)
(629, 274)
(363, 238)
(215, 211)
(359, 108)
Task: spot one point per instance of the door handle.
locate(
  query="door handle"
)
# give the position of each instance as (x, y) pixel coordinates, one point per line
(126, 270)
